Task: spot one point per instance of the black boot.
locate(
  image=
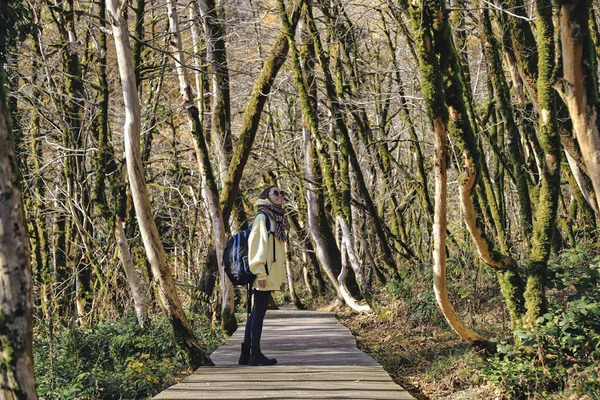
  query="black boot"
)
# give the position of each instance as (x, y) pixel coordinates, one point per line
(244, 355)
(258, 358)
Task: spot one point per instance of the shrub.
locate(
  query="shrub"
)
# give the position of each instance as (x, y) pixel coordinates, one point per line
(115, 359)
(564, 353)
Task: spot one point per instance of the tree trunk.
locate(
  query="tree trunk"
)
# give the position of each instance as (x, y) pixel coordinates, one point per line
(184, 334)
(523, 43)
(346, 145)
(40, 249)
(580, 84)
(209, 188)
(424, 18)
(545, 221)
(350, 301)
(16, 303)
(502, 96)
(327, 253)
(290, 278)
(138, 44)
(74, 139)
(582, 199)
(140, 303)
(461, 131)
(258, 98)
(214, 25)
(578, 168)
(309, 114)
(308, 250)
(356, 263)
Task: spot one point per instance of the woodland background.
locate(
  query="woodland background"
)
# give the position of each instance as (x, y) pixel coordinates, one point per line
(418, 142)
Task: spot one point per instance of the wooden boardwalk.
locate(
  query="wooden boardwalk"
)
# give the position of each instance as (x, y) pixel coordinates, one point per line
(317, 359)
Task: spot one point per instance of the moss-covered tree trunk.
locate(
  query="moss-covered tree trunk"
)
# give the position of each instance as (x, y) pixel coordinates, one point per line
(523, 44)
(104, 164)
(16, 303)
(308, 250)
(327, 251)
(40, 240)
(342, 208)
(252, 115)
(107, 170)
(474, 168)
(443, 93)
(587, 218)
(74, 166)
(214, 25)
(513, 137)
(340, 199)
(421, 185)
(578, 168)
(545, 221)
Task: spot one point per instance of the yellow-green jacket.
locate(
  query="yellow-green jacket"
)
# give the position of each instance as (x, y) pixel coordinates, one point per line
(260, 250)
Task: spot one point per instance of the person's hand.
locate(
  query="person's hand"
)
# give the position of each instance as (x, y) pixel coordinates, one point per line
(262, 283)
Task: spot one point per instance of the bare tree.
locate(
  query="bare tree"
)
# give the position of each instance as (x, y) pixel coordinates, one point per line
(154, 249)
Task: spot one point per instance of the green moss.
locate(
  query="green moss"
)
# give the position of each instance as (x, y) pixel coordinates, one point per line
(198, 136)
(545, 224)
(535, 298)
(431, 77)
(7, 345)
(502, 95)
(523, 40)
(512, 289)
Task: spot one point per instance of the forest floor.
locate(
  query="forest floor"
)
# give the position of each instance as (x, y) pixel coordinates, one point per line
(431, 363)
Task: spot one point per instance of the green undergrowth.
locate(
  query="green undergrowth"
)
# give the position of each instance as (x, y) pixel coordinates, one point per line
(562, 358)
(115, 359)
(409, 337)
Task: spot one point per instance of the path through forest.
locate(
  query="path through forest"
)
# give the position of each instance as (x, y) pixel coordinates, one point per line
(317, 359)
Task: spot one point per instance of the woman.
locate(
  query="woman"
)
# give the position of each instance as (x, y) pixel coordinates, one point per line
(266, 254)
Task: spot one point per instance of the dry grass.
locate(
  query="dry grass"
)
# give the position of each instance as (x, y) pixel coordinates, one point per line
(430, 362)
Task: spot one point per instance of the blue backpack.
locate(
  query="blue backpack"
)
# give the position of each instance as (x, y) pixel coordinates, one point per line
(235, 257)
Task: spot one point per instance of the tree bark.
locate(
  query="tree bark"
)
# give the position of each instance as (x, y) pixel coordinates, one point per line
(16, 303)
(140, 303)
(524, 45)
(214, 24)
(308, 251)
(580, 84)
(40, 240)
(309, 114)
(327, 253)
(502, 96)
(290, 278)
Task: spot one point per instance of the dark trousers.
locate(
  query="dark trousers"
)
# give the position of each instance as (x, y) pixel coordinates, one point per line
(254, 325)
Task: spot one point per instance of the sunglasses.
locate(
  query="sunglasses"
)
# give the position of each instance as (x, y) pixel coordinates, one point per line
(276, 193)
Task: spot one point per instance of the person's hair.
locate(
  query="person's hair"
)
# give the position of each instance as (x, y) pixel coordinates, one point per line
(265, 193)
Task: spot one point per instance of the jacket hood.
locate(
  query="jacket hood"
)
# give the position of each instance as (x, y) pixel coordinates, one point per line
(262, 202)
